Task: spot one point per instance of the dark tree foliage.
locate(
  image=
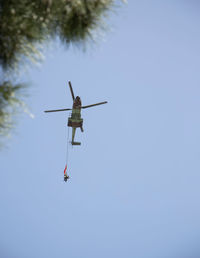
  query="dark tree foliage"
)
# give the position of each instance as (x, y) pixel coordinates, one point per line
(8, 103)
(25, 25)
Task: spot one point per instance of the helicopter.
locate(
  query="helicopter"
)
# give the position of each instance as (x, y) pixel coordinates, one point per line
(75, 121)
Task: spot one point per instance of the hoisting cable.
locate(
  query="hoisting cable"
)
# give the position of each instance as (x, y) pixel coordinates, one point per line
(67, 156)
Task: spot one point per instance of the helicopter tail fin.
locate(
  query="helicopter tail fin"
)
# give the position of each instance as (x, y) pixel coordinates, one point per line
(75, 143)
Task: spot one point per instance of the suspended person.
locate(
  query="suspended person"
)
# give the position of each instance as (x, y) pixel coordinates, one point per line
(66, 177)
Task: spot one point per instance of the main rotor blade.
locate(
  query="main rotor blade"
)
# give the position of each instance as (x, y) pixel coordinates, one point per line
(57, 110)
(70, 86)
(100, 103)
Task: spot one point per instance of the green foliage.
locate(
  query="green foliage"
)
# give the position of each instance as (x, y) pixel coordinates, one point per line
(8, 103)
(24, 23)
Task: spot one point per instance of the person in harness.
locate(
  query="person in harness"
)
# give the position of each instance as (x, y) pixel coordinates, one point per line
(66, 177)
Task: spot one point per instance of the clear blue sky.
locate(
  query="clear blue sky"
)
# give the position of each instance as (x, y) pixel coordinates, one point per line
(134, 188)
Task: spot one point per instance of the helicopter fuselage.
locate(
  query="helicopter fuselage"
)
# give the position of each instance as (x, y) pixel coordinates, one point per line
(75, 120)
